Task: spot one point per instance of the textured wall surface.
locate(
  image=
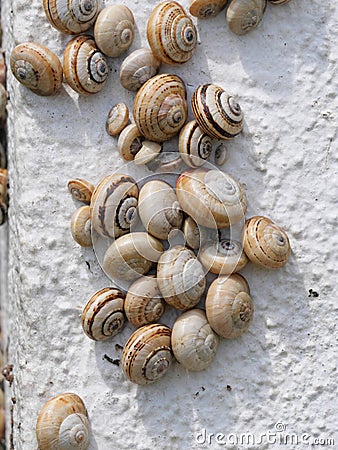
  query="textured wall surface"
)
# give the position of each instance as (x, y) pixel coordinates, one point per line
(283, 370)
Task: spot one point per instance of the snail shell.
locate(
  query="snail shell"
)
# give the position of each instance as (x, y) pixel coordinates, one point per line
(278, 2)
(3, 185)
(137, 68)
(229, 307)
(113, 205)
(129, 142)
(114, 30)
(171, 34)
(103, 315)
(147, 153)
(166, 162)
(224, 257)
(3, 68)
(193, 341)
(194, 145)
(212, 198)
(206, 8)
(131, 256)
(62, 424)
(159, 209)
(72, 16)
(85, 68)
(160, 107)
(37, 68)
(245, 15)
(3, 212)
(3, 103)
(180, 277)
(191, 233)
(80, 190)
(265, 243)
(147, 354)
(117, 120)
(144, 303)
(81, 226)
(220, 155)
(216, 112)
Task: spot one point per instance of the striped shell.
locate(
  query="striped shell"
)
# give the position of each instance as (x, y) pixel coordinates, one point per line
(85, 68)
(194, 145)
(72, 16)
(212, 198)
(103, 316)
(224, 257)
(80, 190)
(147, 354)
(117, 120)
(37, 68)
(216, 112)
(279, 2)
(204, 9)
(137, 68)
(229, 307)
(245, 15)
(265, 243)
(193, 341)
(129, 142)
(171, 34)
(80, 226)
(160, 107)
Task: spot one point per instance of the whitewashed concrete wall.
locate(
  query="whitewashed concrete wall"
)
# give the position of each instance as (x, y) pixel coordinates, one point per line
(283, 370)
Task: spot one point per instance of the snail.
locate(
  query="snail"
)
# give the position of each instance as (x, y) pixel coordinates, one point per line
(63, 424)
(217, 112)
(193, 342)
(137, 68)
(194, 145)
(85, 68)
(191, 233)
(3, 184)
(265, 243)
(206, 8)
(117, 120)
(80, 190)
(171, 33)
(72, 16)
(180, 277)
(147, 354)
(129, 142)
(37, 68)
(131, 256)
(81, 226)
(224, 257)
(103, 316)
(245, 15)
(160, 107)
(212, 198)
(159, 209)
(229, 307)
(144, 303)
(220, 154)
(114, 30)
(147, 153)
(279, 2)
(113, 205)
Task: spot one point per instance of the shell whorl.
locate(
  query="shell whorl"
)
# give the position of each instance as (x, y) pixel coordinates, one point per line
(130, 142)
(137, 68)
(204, 9)
(194, 145)
(117, 120)
(243, 16)
(224, 257)
(81, 190)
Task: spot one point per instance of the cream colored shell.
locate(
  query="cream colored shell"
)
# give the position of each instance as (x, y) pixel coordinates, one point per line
(147, 153)
(245, 15)
(166, 162)
(204, 9)
(191, 232)
(137, 68)
(224, 257)
(117, 120)
(194, 145)
(37, 68)
(129, 142)
(80, 189)
(3, 184)
(80, 226)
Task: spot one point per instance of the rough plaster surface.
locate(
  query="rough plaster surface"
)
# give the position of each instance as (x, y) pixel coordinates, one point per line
(283, 370)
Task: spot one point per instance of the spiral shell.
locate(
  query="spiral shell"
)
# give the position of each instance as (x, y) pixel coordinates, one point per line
(137, 68)
(265, 243)
(191, 233)
(206, 8)
(171, 34)
(180, 277)
(147, 354)
(193, 342)
(114, 30)
(103, 316)
(130, 142)
(117, 120)
(80, 190)
(147, 153)
(144, 303)
(220, 154)
(212, 198)
(62, 424)
(160, 107)
(37, 68)
(194, 145)
(80, 226)
(217, 112)
(85, 68)
(113, 205)
(229, 307)
(245, 15)
(224, 257)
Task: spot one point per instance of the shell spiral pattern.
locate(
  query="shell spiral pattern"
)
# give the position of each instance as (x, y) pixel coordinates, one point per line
(206, 8)
(194, 145)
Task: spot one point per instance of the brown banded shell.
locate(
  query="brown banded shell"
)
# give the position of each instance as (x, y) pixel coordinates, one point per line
(212, 198)
(194, 145)
(160, 107)
(137, 68)
(103, 316)
(85, 68)
(193, 341)
(279, 2)
(80, 189)
(37, 68)
(217, 112)
(245, 15)
(117, 120)
(130, 142)
(224, 257)
(265, 243)
(80, 226)
(147, 354)
(204, 9)
(171, 33)
(114, 30)
(144, 303)
(229, 307)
